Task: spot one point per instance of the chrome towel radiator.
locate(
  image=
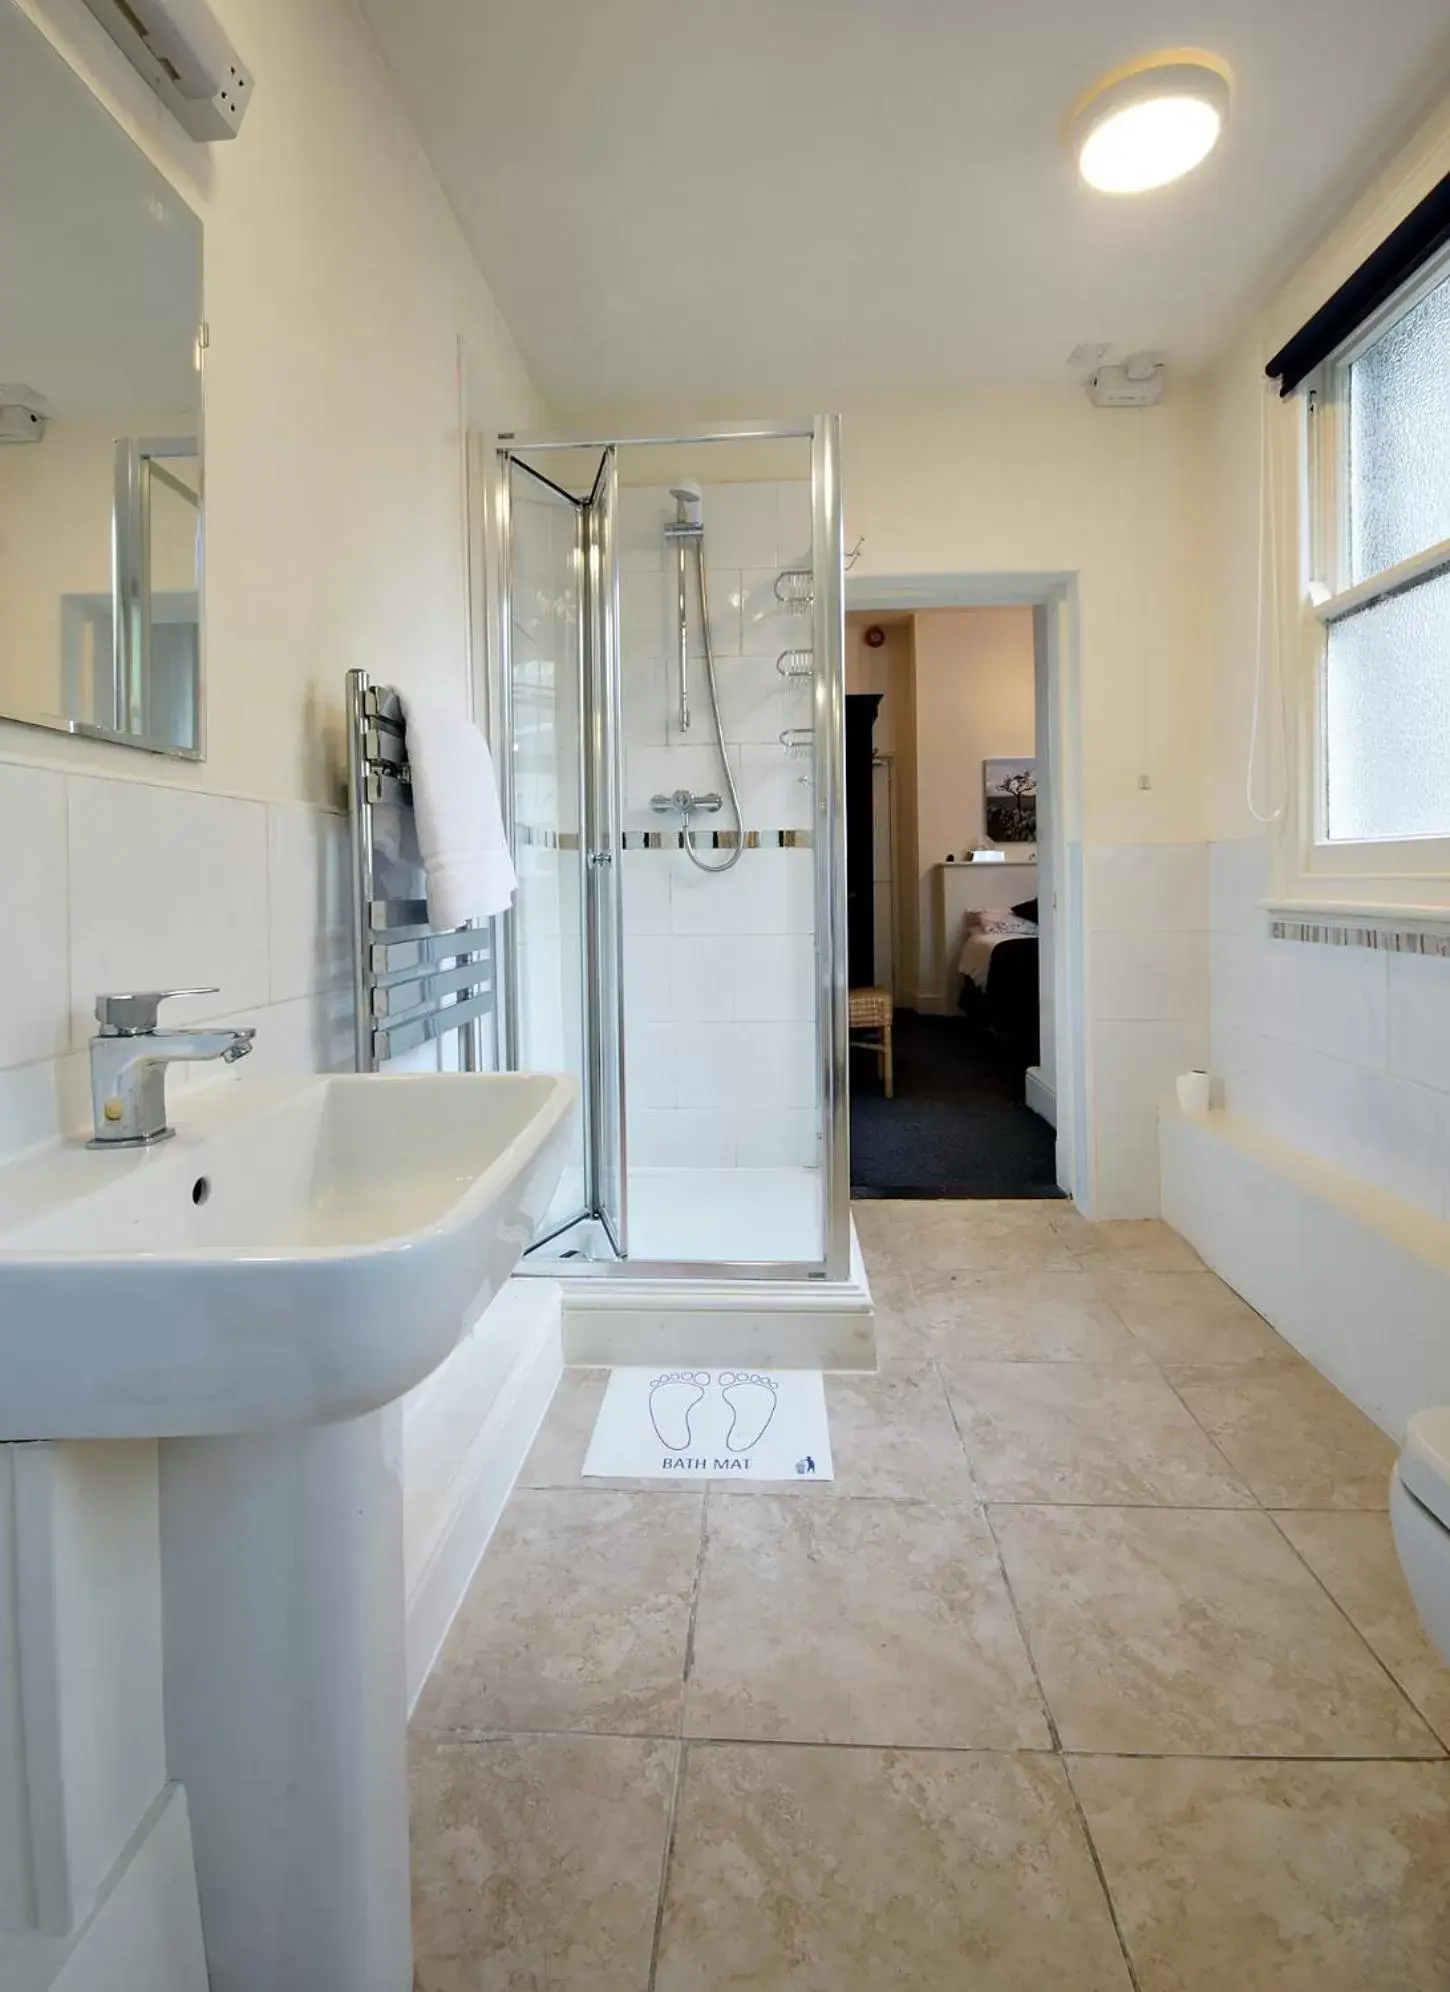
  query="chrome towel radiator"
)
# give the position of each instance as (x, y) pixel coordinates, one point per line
(412, 983)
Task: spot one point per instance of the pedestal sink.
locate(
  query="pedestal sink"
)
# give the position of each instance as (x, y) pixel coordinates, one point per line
(256, 1294)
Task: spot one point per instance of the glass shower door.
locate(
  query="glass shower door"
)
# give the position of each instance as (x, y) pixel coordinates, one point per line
(545, 783)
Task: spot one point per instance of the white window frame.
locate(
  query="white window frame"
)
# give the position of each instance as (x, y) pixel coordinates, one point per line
(1413, 872)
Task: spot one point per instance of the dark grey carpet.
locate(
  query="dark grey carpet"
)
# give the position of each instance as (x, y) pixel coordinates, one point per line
(957, 1127)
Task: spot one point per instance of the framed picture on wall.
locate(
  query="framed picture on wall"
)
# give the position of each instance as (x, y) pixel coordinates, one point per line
(1010, 792)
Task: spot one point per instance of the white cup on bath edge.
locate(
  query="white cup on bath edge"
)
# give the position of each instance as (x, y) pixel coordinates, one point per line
(1193, 1092)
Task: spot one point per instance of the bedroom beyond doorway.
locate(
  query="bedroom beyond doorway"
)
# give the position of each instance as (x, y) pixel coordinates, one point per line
(950, 942)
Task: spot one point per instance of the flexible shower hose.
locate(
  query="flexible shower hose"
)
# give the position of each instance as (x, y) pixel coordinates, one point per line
(733, 857)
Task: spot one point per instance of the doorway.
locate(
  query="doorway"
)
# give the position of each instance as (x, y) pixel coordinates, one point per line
(968, 907)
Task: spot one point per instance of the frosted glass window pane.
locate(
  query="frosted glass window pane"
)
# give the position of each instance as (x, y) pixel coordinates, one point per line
(1399, 439)
(1387, 716)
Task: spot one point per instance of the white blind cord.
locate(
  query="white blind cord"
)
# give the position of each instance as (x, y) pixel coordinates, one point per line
(1266, 654)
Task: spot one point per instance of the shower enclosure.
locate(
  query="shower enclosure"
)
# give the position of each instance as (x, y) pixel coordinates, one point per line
(667, 689)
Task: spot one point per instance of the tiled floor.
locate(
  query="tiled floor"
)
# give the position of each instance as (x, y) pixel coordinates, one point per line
(1092, 1670)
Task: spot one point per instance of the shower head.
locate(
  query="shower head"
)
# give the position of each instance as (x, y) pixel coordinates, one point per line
(687, 504)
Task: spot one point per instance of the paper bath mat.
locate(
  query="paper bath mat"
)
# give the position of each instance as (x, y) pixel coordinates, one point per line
(711, 1425)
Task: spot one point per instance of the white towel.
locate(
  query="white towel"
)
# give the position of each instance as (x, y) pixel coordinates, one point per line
(455, 804)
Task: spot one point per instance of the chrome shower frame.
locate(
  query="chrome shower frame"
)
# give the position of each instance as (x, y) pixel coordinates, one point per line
(823, 432)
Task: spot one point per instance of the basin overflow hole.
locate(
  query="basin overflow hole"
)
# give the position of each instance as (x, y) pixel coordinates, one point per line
(201, 1190)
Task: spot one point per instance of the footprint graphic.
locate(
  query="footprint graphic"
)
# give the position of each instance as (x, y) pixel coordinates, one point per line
(752, 1400)
(672, 1400)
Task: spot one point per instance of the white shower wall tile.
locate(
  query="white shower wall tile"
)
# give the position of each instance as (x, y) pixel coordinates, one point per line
(719, 969)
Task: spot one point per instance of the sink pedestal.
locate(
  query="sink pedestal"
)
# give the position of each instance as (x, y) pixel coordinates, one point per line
(286, 1700)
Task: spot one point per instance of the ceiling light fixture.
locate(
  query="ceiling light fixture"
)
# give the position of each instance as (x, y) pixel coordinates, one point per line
(1151, 121)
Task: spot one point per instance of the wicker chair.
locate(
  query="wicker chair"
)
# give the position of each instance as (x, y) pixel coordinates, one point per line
(870, 1023)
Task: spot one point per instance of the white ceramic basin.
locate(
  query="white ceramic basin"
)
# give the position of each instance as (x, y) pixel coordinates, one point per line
(303, 1251)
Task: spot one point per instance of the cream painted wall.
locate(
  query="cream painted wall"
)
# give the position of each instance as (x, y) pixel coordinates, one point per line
(337, 286)
(975, 700)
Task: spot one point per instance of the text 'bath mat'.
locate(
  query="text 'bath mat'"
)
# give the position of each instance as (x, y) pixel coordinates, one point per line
(691, 1424)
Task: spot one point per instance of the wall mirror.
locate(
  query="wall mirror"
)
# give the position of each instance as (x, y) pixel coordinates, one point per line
(100, 418)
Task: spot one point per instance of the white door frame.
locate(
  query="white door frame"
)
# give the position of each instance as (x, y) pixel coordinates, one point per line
(1054, 599)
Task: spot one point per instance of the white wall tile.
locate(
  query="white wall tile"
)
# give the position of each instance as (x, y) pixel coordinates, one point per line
(40, 1101)
(1137, 1063)
(793, 524)
(1127, 1173)
(644, 510)
(646, 891)
(646, 701)
(647, 977)
(788, 1139)
(649, 1055)
(168, 889)
(684, 1138)
(800, 891)
(310, 900)
(1334, 1000)
(652, 771)
(740, 524)
(1160, 887)
(702, 977)
(767, 627)
(646, 617)
(1137, 976)
(1419, 1027)
(745, 1065)
(1238, 875)
(751, 898)
(35, 1002)
(775, 977)
(773, 794)
(754, 704)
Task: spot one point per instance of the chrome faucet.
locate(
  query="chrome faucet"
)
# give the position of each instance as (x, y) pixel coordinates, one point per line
(129, 1058)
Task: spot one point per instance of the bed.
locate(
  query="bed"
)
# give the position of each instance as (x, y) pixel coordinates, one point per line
(999, 963)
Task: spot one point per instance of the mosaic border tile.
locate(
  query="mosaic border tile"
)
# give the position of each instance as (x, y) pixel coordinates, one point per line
(1340, 934)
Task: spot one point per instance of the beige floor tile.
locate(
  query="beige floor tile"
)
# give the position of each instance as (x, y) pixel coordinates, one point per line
(1276, 1877)
(1189, 1317)
(1194, 1633)
(558, 1452)
(1085, 1432)
(577, 1619)
(536, 1861)
(1135, 1244)
(879, 1622)
(899, 1336)
(1052, 1315)
(881, 1871)
(1294, 1440)
(969, 1235)
(892, 1439)
(1353, 1556)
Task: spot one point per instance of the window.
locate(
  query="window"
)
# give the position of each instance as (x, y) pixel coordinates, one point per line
(1380, 473)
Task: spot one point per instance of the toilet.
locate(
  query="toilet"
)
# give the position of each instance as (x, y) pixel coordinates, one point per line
(1420, 1517)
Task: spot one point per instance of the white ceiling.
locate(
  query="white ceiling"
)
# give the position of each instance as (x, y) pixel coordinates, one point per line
(753, 200)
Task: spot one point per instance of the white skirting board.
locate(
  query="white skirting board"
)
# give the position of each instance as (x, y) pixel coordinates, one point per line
(1040, 1097)
(1356, 1279)
(478, 1415)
